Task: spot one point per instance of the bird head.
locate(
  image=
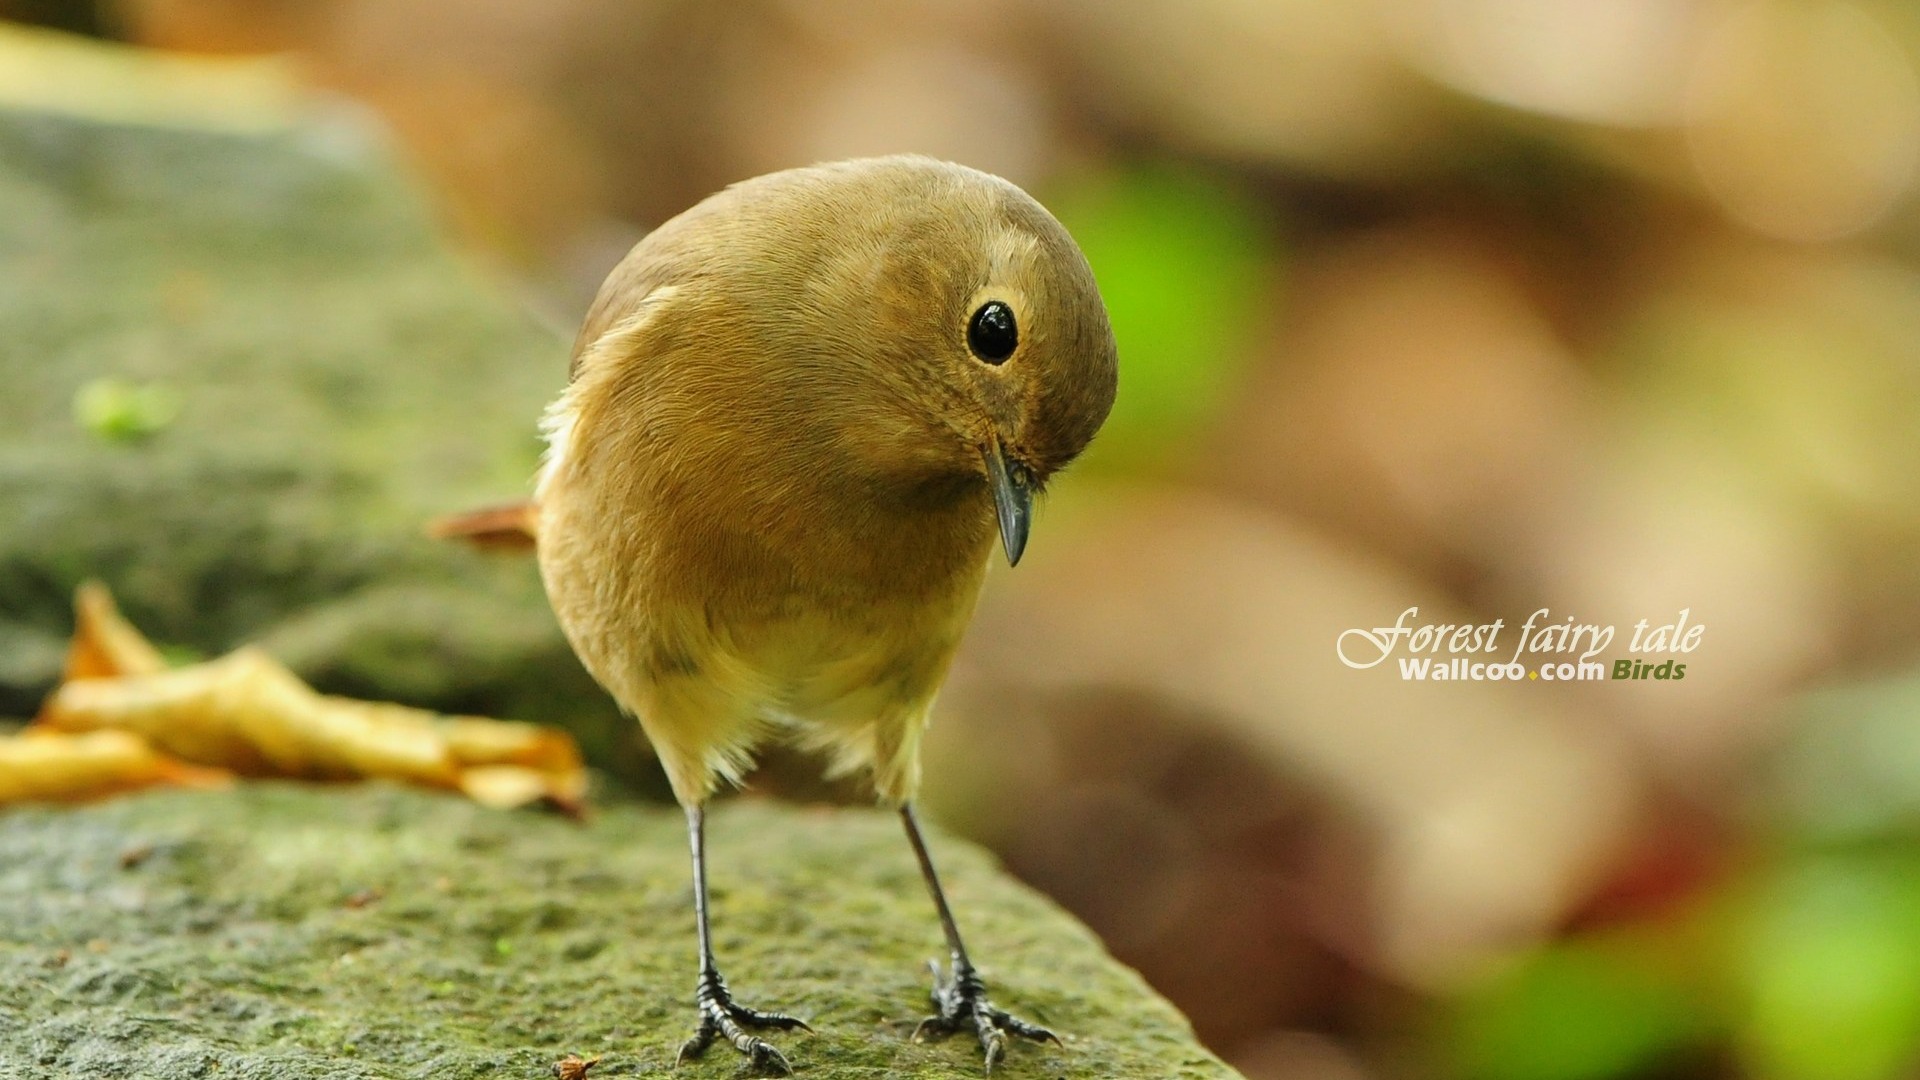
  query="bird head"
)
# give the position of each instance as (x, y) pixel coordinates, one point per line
(1000, 343)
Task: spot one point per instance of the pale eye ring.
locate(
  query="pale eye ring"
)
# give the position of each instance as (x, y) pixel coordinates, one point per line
(991, 333)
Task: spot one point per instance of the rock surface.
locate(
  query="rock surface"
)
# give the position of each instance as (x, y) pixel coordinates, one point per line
(284, 931)
(241, 372)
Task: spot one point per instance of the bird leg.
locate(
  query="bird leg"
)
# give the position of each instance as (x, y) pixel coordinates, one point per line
(719, 1016)
(960, 995)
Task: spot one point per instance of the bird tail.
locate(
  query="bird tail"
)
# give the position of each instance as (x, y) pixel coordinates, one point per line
(507, 527)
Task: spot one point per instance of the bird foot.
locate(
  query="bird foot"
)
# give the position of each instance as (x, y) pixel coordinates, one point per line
(719, 1016)
(961, 998)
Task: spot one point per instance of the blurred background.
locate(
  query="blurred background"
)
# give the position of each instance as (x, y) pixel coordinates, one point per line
(1485, 306)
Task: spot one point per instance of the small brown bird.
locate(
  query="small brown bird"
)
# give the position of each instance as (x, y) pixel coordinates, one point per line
(796, 413)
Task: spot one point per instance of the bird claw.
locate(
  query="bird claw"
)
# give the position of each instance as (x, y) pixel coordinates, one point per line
(961, 1000)
(720, 1016)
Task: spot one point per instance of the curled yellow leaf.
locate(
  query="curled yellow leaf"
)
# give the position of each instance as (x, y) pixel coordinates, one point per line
(49, 766)
(104, 643)
(246, 712)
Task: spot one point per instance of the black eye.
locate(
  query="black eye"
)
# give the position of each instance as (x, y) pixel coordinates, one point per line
(991, 335)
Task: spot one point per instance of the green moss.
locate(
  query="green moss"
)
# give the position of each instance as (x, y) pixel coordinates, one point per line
(226, 934)
(241, 373)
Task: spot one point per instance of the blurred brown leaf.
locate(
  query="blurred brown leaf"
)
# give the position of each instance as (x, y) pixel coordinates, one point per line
(55, 766)
(104, 643)
(246, 712)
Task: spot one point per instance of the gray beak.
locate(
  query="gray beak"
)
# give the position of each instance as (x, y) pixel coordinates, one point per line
(1013, 498)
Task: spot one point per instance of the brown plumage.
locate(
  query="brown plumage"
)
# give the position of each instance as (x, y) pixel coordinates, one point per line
(795, 413)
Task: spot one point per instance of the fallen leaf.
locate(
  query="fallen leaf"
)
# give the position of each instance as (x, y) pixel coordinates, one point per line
(507, 787)
(247, 713)
(104, 643)
(49, 766)
(477, 741)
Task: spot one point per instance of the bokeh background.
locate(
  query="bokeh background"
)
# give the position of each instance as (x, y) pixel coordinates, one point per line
(1485, 306)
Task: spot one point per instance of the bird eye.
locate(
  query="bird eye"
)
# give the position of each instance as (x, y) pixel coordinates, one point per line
(991, 334)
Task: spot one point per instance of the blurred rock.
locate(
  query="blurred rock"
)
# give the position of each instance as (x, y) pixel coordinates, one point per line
(43, 70)
(336, 378)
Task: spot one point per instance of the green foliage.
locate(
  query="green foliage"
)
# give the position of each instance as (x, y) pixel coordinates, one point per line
(121, 411)
(1186, 267)
(1830, 959)
(1580, 1010)
(1805, 967)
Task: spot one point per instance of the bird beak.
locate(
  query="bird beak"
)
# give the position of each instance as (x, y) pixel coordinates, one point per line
(1013, 498)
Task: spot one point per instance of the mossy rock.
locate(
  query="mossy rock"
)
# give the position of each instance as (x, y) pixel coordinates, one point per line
(287, 931)
(242, 372)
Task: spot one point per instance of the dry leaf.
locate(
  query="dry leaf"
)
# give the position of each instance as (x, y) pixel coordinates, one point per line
(505, 787)
(51, 766)
(104, 643)
(248, 713)
(477, 741)
(574, 1067)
